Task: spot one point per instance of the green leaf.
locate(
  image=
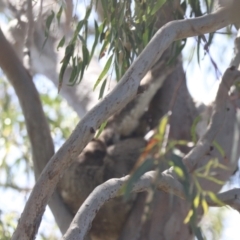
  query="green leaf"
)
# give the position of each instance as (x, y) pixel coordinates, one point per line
(85, 55)
(73, 74)
(212, 179)
(88, 12)
(59, 14)
(103, 125)
(163, 124)
(104, 47)
(179, 172)
(206, 168)
(102, 89)
(215, 199)
(49, 21)
(82, 39)
(144, 167)
(193, 128)
(219, 148)
(104, 71)
(121, 15)
(68, 54)
(77, 30)
(179, 47)
(81, 67)
(86, 31)
(204, 206)
(105, 7)
(188, 217)
(102, 28)
(95, 40)
(197, 184)
(157, 6)
(48, 24)
(196, 201)
(61, 43)
(145, 37)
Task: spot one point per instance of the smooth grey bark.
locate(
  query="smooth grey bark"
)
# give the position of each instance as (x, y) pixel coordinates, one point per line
(37, 126)
(149, 231)
(167, 211)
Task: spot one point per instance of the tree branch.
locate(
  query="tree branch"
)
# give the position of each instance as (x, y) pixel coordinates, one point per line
(236, 58)
(230, 197)
(37, 126)
(167, 180)
(116, 100)
(29, 37)
(217, 120)
(111, 189)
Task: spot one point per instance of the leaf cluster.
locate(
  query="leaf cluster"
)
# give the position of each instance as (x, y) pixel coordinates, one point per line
(158, 150)
(126, 29)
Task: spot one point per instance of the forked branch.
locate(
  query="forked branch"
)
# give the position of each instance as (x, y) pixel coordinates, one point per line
(114, 101)
(167, 180)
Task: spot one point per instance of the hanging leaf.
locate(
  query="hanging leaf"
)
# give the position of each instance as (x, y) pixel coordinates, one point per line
(219, 148)
(59, 14)
(85, 55)
(188, 217)
(49, 22)
(163, 124)
(104, 71)
(215, 199)
(68, 54)
(73, 73)
(145, 166)
(204, 206)
(102, 89)
(95, 39)
(179, 172)
(193, 129)
(157, 6)
(196, 201)
(77, 30)
(103, 125)
(210, 178)
(48, 25)
(61, 43)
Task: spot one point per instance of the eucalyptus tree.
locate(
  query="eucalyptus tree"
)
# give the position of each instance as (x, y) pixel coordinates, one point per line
(144, 162)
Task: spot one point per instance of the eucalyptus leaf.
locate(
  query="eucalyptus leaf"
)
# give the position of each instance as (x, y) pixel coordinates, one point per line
(104, 71)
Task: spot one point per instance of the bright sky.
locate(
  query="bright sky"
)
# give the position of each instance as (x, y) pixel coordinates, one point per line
(202, 78)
